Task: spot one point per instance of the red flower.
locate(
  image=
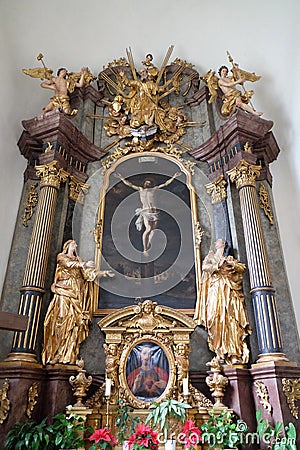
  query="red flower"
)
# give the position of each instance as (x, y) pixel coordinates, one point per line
(104, 438)
(143, 437)
(191, 434)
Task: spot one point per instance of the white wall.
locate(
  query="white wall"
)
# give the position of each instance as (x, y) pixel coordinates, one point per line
(262, 35)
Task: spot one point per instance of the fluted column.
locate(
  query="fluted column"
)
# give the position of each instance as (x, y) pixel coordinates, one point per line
(263, 293)
(32, 291)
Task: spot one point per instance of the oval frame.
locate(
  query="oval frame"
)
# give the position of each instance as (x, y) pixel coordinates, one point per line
(130, 397)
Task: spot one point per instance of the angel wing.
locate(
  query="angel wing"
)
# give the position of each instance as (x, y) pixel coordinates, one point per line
(247, 76)
(211, 81)
(74, 77)
(39, 72)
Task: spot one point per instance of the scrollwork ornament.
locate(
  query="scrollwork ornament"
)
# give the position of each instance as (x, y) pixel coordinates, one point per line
(291, 389)
(263, 394)
(31, 399)
(30, 203)
(4, 401)
(244, 174)
(199, 233)
(97, 232)
(264, 202)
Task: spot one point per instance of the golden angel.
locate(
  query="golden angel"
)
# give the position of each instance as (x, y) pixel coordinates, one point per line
(232, 97)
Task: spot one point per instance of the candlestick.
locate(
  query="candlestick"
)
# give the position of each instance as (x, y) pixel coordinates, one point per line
(107, 387)
(185, 386)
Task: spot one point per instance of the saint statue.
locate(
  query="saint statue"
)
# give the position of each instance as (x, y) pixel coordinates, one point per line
(221, 309)
(69, 314)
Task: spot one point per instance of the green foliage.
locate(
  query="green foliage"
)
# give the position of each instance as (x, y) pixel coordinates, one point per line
(28, 436)
(125, 420)
(275, 434)
(62, 434)
(162, 413)
(223, 429)
(65, 431)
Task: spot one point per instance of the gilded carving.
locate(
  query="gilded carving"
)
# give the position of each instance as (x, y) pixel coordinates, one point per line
(138, 107)
(216, 382)
(32, 399)
(80, 383)
(4, 401)
(244, 174)
(98, 230)
(51, 174)
(291, 389)
(264, 202)
(263, 394)
(217, 190)
(232, 97)
(30, 203)
(199, 233)
(64, 83)
(247, 148)
(77, 190)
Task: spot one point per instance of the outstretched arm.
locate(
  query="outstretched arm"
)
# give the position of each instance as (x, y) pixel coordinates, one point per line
(169, 181)
(133, 186)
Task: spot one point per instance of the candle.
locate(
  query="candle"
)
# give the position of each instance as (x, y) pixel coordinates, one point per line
(107, 387)
(185, 386)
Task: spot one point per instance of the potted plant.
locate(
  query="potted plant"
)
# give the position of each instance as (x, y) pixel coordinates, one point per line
(28, 435)
(274, 435)
(125, 421)
(66, 431)
(103, 439)
(190, 435)
(143, 438)
(162, 414)
(223, 430)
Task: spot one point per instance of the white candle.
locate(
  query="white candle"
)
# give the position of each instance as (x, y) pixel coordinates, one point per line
(107, 387)
(185, 386)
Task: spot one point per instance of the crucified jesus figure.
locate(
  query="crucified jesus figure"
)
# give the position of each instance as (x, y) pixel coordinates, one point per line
(148, 214)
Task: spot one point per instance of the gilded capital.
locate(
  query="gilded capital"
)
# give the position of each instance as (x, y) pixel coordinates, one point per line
(77, 190)
(51, 174)
(244, 174)
(217, 190)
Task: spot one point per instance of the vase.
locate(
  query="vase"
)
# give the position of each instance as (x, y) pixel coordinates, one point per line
(170, 444)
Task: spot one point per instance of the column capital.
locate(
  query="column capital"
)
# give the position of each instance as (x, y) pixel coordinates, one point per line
(244, 174)
(217, 190)
(77, 190)
(51, 174)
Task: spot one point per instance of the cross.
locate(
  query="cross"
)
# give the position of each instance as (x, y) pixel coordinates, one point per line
(12, 321)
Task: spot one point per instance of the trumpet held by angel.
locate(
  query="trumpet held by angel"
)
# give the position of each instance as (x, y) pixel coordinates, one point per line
(232, 97)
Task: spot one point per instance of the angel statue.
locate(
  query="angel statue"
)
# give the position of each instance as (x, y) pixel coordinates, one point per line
(62, 84)
(232, 97)
(139, 107)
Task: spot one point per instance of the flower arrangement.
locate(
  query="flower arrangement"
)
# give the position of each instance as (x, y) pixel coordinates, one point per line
(102, 438)
(144, 438)
(190, 434)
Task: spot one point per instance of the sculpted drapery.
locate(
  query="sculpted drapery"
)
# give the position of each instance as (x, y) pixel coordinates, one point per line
(221, 309)
(67, 320)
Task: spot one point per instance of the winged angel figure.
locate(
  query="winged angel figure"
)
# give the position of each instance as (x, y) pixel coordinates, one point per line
(138, 107)
(62, 84)
(232, 97)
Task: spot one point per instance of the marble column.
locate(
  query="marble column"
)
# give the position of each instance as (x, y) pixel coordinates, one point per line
(263, 294)
(32, 290)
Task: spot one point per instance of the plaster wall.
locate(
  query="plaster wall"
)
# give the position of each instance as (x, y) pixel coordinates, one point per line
(261, 36)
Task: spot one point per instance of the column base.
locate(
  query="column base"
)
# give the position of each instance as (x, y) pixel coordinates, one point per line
(278, 358)
(20, 356)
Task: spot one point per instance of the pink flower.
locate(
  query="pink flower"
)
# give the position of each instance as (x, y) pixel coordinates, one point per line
(103, 437)
(191, 434)
(143, 437)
